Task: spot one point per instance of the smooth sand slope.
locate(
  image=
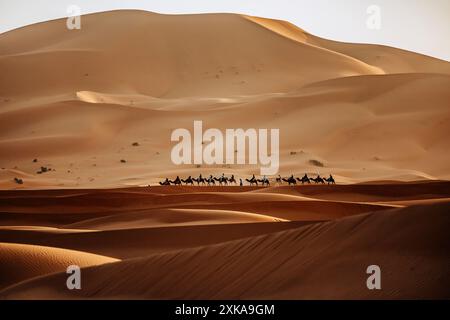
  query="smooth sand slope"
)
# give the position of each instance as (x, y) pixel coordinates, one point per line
(325, 260)
(77, 100)
(20, 261)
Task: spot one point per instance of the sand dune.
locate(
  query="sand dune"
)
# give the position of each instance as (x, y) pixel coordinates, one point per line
(332, 256)
(128, 243)
(19, 262)
(96, 108)
(387, 110)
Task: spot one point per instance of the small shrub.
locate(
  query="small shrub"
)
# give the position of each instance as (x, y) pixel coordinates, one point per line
(316, 163)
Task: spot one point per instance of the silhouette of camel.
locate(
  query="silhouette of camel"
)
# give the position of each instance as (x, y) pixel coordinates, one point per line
(165, 182)
(222, 180)
(252, 180)
(177, 181)
(304, 179)
(279, 180)
(232, 180)
(264, 181)
(210, 180)
(318, 179)
(189, 180)
(330, 180)
(290, 180)
(199, 180)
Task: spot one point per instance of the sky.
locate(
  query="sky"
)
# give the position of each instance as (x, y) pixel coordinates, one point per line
(417, 25)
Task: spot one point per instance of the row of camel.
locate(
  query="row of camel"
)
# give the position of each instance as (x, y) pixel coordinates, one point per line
(264, 181)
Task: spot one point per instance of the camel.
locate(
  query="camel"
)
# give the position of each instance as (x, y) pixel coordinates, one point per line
(199, 180)
(304, 179)
(222, 180)
(279, 180)
(165, 182)
(290, 180)
(177, 181)
(330, 180)
(210, 180)
(317, 180)
(232, 180)
(252, 181)
(264, 181)
(189, 180)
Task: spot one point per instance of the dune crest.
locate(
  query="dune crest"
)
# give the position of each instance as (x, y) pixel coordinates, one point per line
(314, 263)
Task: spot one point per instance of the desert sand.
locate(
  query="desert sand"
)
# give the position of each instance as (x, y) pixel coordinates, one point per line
(169, 248)
(78, 102)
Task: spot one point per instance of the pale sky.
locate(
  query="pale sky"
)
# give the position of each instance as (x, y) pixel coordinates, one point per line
(418, 25)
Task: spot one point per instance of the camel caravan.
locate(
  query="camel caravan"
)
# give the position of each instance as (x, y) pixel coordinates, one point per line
(253, 181)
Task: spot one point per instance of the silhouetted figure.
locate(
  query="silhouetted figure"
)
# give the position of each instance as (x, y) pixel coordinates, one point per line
(252, 181)
(200, 179)
(304, 179)
(330, 180)
(279, 180)
(177, 181)
(165, 182)
(189, 180)
(290, 180)
(210, 180)
(318, 179)
(264, 181)
(222, 180)
(241, 183)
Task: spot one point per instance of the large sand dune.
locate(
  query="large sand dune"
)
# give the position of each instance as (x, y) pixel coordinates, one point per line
(229, 244)
(325, 260)
(76, 100)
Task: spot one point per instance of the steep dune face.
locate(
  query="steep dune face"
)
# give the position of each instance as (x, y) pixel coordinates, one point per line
(325, 261)
(21, 261)
(387, 59)
(77, 100)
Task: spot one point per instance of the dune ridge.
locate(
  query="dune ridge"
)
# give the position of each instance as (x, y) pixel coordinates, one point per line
(244, 269)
